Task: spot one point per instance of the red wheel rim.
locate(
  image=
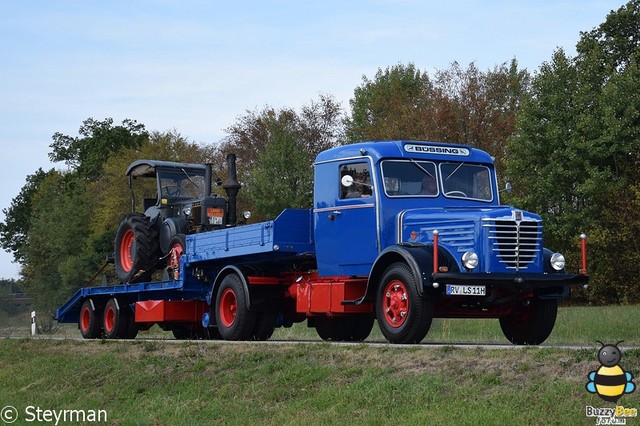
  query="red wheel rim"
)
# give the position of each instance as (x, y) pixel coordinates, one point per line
(176, 254)
(85, 319)
(125, 250)
(395, 304)
(228, 307)
(109, 318)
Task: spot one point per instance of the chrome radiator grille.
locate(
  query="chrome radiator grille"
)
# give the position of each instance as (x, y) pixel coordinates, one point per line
(515, 243)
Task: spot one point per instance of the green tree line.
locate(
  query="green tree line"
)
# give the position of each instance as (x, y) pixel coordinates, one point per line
(567, 137)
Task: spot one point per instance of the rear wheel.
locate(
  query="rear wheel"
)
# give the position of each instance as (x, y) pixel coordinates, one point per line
(265, 325)
(354, 328)
(532, 324)
(89, 321)
(116, 320)
(136, 248)
(234, 320)
(403, 315)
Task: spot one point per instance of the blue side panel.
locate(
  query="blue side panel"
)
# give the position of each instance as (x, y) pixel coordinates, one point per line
(289, 233)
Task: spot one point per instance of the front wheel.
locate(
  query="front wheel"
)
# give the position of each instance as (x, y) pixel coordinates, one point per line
(532, 324)
(403, 315)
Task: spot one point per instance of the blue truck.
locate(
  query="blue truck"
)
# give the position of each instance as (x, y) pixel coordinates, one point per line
(400, 232)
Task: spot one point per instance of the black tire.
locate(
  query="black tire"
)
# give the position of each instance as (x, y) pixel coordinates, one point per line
(132, 328)
(354, 328)
(135, 249)
(532, 324)
(115, 320)
(182, 332)
(265, 325)
(194, 332)
(90, 320)
(403, 315)
(234, 320)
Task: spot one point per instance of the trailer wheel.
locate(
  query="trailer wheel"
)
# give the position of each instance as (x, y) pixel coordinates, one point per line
(344, 329)
(115, 320)
(265, 325)
(403, 315)
(136, 248)
(234, 320)
(89, 321)
(532, 324)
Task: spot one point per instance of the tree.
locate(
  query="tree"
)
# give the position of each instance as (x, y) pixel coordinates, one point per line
(98, 139)
(263, 139)
(456, 105)
(17, 223)
(283, 175)
(575, 155)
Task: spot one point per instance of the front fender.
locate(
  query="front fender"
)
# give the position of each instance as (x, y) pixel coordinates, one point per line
(419, 258)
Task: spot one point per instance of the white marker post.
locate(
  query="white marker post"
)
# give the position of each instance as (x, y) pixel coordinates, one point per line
(33, 323)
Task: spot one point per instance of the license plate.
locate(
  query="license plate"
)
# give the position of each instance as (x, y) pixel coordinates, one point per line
(466, 290)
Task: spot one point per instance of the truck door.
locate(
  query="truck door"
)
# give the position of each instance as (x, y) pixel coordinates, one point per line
(345, 220)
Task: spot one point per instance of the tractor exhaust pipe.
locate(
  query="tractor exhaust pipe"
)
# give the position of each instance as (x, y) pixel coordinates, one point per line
(231, 186)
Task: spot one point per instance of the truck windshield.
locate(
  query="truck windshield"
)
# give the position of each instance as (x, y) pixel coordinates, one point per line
(410, 178)
(461, 180)
(181, 183)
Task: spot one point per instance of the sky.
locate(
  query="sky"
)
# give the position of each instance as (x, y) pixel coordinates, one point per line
(195, 66)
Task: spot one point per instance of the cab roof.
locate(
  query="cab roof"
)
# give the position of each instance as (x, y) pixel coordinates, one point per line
(417, 150)
(147, 168)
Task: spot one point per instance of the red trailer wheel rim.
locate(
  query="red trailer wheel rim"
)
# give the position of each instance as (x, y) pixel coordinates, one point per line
(228, 307)
(395, 304)
(125, 250)
(109, 318)
(85, 319)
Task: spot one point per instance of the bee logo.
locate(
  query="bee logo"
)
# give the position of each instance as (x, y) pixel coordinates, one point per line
(610, 381)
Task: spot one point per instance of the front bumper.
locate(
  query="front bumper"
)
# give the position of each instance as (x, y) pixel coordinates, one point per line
(514, 281)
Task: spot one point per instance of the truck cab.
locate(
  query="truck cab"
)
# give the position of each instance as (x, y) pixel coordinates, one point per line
(434, 209)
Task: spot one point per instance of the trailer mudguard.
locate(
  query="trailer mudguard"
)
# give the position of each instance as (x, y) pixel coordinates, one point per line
(419, 258)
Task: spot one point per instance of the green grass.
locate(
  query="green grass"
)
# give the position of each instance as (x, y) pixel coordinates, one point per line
(148, 382)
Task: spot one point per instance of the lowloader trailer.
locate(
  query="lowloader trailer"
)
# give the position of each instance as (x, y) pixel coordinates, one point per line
(400, 231)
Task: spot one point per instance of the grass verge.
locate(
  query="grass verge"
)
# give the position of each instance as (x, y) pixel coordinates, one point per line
(190, 383)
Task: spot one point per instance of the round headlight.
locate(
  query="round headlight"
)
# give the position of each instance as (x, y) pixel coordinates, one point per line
(470, 260)
(187, 210)
(557, 261)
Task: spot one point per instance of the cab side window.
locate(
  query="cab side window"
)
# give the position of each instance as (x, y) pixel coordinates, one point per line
(361, 186)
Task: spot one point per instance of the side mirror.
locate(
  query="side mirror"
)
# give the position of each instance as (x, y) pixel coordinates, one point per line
(508, 188)
(347, 180)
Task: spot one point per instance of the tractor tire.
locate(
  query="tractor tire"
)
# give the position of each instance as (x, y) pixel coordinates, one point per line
(403, 315)
(90, 320)
(136, 249)
(234, 320)
(532, 324)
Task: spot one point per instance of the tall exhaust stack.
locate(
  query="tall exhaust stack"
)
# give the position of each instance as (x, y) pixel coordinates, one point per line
(231, 186)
